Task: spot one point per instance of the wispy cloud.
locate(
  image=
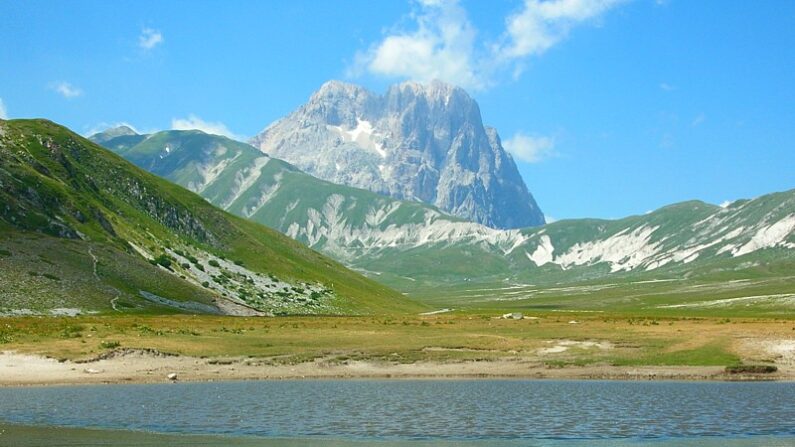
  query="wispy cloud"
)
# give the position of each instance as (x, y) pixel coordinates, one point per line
(530, 148)
(442, 42)
(3, 111)
(667, 87)
(698, 120)
(441, 46)
(542, 24)
(193, 122)
(150, 38)
(66, 89)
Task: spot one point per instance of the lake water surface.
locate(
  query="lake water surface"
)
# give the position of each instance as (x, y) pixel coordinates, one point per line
(500, 412)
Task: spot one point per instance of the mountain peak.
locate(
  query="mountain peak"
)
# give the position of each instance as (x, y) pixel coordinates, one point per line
(339, 88)
(418, 141)
(124, 130)
(430, 90)
(118, 131)
(434, 88)
(113, 132)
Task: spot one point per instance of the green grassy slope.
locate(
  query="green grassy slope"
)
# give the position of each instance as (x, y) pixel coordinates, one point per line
(216, 166)
(62, 190)
(443, 260)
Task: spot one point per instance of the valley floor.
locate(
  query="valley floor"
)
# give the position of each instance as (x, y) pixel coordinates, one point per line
(138, 349)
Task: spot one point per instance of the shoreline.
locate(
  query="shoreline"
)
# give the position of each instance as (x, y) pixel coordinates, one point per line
(97, 350)
(143, 367)
(30, 435)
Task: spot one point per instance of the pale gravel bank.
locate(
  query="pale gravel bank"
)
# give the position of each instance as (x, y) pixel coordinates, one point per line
(135, 366)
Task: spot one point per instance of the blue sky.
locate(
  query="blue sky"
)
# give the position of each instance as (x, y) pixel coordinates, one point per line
(611, 107)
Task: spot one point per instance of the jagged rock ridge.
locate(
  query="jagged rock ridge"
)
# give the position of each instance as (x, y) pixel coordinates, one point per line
(423, 142)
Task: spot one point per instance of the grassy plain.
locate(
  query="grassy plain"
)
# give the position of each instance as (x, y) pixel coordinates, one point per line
(488, 345)
(727, 295)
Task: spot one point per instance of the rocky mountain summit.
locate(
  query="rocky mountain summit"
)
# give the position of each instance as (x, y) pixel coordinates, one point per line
(421, 142)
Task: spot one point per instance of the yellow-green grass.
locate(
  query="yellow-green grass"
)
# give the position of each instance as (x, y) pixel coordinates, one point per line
(402, 339)
(744, 295)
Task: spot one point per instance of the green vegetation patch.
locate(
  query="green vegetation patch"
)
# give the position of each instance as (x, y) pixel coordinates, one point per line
(712, 354)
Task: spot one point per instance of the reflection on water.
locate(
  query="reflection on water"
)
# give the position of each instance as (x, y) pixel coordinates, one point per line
(510, 413)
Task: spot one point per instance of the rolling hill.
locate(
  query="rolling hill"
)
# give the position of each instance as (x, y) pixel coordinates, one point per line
(414, 247)
(83, 231)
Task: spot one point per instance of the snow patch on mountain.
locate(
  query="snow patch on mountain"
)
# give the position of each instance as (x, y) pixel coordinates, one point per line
(624, 250)
(543, 253)
(691, 251)
(363, 134)
(769, 236)
(166, 152)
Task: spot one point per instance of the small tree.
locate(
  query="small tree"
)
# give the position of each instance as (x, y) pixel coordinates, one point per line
(164, 261)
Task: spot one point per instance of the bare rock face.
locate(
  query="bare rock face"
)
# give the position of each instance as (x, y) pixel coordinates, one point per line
(423, 142)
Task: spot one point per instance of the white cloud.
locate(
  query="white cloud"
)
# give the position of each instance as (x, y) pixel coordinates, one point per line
(150, 38)
(542, 24)
(3, 111)
(667, 87)
(441, 47)
(193, 122)
(530, 148)
(698, 120)
(66, 89)
(726, 203)
(443, 43)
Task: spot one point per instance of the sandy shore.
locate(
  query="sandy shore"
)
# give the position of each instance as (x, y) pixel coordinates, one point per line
(136, 366)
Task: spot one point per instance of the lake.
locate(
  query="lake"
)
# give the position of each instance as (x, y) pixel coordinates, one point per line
(425, 412)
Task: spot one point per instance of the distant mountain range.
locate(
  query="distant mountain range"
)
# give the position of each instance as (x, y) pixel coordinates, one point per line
(410, 245)
(82, 231)
(420, 142)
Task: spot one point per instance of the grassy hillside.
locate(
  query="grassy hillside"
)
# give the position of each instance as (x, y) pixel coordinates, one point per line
(689, 250)
(75, 211)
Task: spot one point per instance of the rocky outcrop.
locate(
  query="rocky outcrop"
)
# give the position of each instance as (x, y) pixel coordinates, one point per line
(423, 142)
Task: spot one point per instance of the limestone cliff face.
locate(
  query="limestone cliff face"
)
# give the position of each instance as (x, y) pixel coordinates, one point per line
(423, 142)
